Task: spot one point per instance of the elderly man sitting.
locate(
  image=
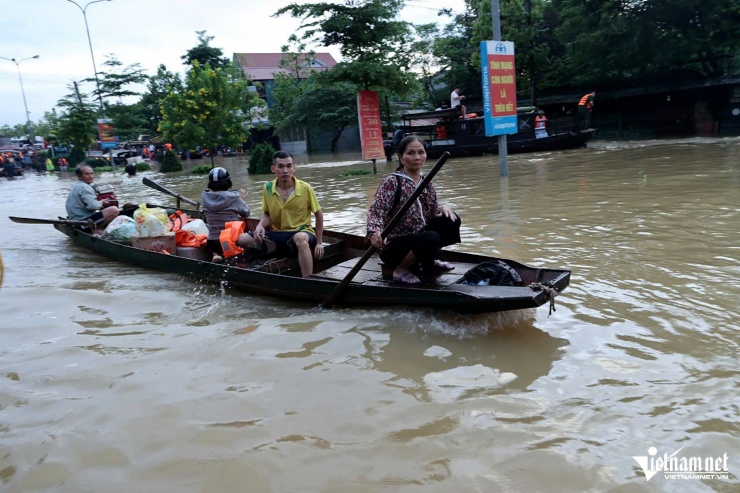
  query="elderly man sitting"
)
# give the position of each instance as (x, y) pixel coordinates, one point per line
(82, 202)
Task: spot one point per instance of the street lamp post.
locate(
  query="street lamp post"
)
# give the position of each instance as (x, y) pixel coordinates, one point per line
(89, 42)
(23, 92)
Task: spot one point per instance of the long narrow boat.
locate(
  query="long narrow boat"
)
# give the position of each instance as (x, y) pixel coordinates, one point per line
(445, 131)
(281, 277)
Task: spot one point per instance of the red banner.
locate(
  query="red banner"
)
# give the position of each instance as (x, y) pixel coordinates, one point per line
(371, 135)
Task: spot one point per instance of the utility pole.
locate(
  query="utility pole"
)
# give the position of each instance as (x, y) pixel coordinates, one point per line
(502, 150)
(89, 42)
(29, 125)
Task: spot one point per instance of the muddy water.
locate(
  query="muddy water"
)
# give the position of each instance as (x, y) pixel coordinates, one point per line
(114, 378)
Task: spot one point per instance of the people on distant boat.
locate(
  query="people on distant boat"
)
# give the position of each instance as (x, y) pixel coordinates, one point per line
(62, 162)
(426, 227)
(540, 125)
(221, 204)
(456, 99)
(397, 136)
(585, 109)
(82, 203)
(287, 204)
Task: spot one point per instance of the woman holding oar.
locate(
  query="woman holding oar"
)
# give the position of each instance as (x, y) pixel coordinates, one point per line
(423, 230)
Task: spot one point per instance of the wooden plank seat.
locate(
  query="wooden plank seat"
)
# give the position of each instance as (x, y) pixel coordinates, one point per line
(333, 247)
(373, 273)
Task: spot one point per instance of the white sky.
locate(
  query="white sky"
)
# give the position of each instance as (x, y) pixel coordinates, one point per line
(148, 32)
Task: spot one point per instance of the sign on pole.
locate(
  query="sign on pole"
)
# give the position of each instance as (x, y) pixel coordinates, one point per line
(371, 134)
(499, 87)
(105, 132)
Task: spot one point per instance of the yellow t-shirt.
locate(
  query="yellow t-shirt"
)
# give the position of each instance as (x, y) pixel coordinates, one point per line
(293, 215)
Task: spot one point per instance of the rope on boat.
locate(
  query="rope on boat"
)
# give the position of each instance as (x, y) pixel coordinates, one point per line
(550, 291)
(275, 262)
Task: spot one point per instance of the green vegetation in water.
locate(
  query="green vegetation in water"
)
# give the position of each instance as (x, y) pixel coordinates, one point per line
(143, 167)
(260, 159)
(355, 172)
(200, 170)
(170, 162)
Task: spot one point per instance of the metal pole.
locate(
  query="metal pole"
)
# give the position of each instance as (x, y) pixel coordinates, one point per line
(502, 151)
(29, 126)
(89, 42)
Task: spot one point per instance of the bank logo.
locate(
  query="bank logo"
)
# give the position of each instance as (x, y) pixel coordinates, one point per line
(674, 466)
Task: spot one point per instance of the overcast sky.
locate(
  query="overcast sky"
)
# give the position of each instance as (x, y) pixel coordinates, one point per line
(148, 32)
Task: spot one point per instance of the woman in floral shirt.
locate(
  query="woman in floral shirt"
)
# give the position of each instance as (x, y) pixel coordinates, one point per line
(425, 228)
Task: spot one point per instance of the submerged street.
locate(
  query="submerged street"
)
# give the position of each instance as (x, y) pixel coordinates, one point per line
(117, 378)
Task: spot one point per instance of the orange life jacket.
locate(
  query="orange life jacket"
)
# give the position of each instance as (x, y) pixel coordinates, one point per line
(228, 237)
(178, 220)
(585, 101)
(441, 132)
(539, 122)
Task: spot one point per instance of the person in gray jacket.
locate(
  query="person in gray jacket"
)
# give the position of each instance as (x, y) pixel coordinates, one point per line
(221, 205)
(82, 203)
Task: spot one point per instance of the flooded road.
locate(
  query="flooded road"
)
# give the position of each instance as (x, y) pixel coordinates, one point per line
(115, 378)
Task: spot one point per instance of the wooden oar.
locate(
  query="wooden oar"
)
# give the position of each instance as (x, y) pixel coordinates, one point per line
(161, 188)
(337, 292)
(32, 220)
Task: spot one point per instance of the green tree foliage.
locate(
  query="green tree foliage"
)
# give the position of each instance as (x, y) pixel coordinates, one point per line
(205, 54)
(170, 162)
(327, 107)
(289, 83)
(78, 124)
(371, 39)
(260, 159)
(158, 86)
(211, 109)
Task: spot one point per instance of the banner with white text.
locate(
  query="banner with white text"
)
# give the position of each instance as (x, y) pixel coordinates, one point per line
(499, 87)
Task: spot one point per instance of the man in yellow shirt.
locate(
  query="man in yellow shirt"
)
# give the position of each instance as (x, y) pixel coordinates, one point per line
(287, 204)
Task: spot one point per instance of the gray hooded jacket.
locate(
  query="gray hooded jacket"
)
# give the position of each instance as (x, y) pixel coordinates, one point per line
(220, 208)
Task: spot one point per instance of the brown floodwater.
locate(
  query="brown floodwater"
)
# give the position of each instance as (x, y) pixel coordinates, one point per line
(117, 378)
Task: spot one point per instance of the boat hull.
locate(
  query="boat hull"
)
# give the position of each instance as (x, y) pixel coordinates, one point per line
(370, 288)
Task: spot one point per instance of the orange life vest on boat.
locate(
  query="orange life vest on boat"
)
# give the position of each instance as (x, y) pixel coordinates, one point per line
(539, 122)
(441, 132)
(585, 101)
(228, 237)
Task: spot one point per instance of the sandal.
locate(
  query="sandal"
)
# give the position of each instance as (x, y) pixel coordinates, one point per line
(406, 277)
(439, 264)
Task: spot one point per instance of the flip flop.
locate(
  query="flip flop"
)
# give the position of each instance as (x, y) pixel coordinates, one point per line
(439, 264)
(406, 278)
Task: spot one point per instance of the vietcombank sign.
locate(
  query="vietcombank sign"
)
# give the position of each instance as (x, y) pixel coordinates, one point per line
(499, 87)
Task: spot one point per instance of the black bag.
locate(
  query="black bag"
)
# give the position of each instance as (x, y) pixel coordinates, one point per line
(492, 273)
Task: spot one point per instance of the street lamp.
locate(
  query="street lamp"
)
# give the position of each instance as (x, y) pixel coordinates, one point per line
(84, 14)
(18, 66)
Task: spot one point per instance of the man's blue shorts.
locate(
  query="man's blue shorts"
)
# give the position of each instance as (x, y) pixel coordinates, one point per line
(284, 242)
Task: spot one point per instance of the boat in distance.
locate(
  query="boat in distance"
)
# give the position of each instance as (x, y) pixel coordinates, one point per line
(445, 131)
(369, 287)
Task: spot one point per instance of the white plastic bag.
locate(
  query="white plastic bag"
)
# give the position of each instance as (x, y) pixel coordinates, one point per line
(197, 226)
(120, 230)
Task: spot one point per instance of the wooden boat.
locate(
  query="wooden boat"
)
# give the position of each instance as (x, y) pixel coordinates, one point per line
(444, 131)
(281, 277)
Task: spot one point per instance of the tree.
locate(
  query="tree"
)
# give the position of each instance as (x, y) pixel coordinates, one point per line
(338, 103)
(205, 54)
(159, 85)
(78, 123)
(289, 84)
(371, 40)
(214, 107)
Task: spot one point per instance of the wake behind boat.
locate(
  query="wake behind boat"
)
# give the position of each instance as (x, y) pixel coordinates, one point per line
(369, 287)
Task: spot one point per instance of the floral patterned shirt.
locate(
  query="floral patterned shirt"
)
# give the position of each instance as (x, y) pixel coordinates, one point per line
(415, 219)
